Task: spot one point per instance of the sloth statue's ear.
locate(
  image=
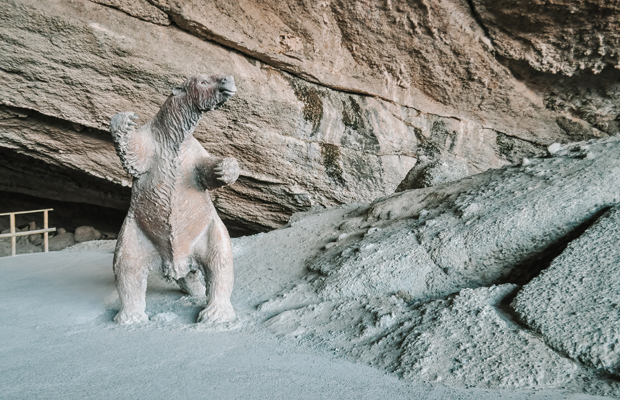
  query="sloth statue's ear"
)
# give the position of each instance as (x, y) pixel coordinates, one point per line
(178, 90)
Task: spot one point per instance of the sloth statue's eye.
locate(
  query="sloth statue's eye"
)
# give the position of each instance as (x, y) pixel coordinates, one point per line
(203, 82)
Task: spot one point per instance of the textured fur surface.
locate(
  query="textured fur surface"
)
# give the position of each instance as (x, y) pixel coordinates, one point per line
(172, 222)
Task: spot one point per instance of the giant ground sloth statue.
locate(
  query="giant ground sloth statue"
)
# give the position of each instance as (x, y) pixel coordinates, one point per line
(172, 222)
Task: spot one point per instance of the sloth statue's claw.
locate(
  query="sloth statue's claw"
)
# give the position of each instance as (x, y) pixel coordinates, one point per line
(227, 171)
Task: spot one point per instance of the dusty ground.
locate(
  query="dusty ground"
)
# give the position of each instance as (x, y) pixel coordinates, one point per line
(58, 341)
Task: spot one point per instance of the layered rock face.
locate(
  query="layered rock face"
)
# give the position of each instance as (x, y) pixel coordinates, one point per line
(337, 100)
(567, 51)
(554, 36)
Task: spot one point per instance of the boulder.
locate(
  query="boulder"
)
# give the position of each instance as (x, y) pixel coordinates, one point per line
(86, 234)
(35, 240)
(429, 173)
(23, 240)
(61, 240)
(23, 244)
(574, 304)
(109, 235)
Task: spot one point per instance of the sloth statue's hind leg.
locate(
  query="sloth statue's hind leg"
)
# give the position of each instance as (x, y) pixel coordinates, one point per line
(133, 258)
(217, 267)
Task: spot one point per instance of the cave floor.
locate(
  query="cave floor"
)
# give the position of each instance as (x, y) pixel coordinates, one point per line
(58, 341)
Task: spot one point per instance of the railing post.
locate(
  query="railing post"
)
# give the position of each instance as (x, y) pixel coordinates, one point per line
(13, 235)
(13, 238)
(45, 235)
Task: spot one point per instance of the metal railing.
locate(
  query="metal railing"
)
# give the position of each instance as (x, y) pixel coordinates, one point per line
(13, 235)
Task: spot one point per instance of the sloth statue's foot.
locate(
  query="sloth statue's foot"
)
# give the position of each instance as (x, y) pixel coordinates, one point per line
(217, 311)
(126, 317)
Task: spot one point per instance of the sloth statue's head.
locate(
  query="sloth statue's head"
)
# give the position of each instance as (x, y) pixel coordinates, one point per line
(206, 92)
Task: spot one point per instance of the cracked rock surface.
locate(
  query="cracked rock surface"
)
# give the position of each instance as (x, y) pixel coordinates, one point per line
(574, 303)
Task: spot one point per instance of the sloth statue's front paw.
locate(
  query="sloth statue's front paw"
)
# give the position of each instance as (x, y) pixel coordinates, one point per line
(123, 122)
(227, 171)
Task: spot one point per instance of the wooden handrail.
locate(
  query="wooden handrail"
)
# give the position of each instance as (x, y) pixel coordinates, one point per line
(27, 212)
(13, 235)
(26, 233)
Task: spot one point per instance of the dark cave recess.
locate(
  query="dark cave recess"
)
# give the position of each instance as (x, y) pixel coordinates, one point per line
(70, 215)
(67, 215)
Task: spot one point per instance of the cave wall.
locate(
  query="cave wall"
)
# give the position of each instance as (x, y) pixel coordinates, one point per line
(337, 100)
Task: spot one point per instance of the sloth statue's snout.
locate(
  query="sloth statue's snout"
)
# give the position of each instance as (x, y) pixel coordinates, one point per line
(227, 86)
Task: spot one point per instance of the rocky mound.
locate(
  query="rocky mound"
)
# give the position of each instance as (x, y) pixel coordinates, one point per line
(419, 283)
